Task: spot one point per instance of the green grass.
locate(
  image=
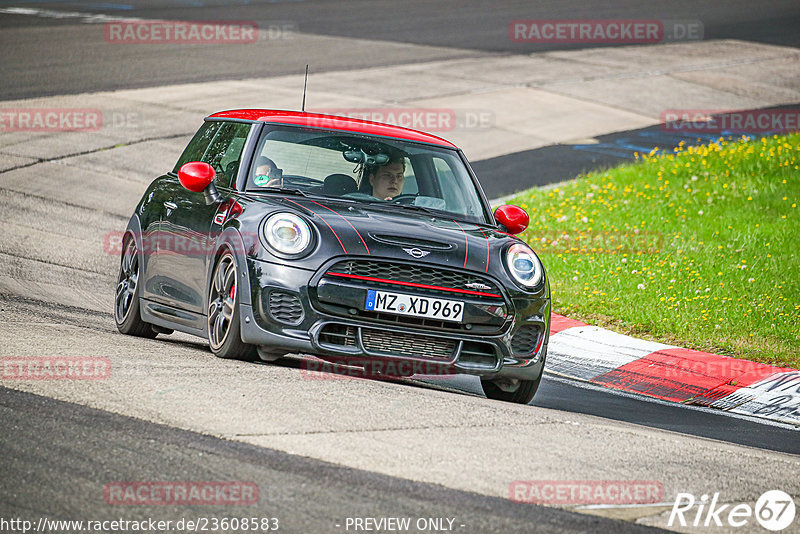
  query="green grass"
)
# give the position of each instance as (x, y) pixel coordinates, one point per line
(700, 248)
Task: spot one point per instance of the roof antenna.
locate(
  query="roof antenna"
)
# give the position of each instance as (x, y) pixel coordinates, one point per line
(305, 82)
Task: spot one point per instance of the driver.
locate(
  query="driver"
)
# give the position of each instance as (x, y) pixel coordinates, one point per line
(267, 173)
(386, 181)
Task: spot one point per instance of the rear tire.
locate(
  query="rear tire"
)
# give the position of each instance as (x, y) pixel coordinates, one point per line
(224, 326)
(523, 394)
(126, 297)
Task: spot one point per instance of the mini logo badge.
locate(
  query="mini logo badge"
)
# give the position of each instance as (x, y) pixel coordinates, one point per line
(477, 285)
(416, 252)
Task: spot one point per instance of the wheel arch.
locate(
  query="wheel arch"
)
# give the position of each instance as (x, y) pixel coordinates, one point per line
(231, 240)
(134, 229)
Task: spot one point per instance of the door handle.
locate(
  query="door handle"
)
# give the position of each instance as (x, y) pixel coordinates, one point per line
(170, 205)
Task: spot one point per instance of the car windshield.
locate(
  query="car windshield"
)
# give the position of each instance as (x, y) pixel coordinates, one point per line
(365, 169)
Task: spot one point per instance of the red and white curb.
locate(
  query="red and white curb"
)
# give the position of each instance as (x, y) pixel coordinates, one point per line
(599, 356)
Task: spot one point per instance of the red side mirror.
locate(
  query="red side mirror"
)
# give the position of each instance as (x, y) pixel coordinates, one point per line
(196, 176)
(514, 218)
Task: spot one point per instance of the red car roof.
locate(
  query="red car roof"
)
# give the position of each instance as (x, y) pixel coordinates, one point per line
(332, 122)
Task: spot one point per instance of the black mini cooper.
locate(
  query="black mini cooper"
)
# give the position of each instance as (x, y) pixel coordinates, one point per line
(360, 243)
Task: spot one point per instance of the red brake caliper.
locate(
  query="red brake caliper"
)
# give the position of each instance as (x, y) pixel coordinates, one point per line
(233, 291)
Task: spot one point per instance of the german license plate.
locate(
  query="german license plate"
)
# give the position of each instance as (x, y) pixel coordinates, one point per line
(402, 304)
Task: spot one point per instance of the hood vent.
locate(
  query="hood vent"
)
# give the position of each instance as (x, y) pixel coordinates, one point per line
(405, 241)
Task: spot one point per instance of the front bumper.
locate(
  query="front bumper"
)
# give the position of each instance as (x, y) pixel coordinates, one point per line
(287, 315)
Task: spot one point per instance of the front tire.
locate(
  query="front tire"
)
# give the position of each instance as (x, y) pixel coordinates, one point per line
(523, 393)
(224, 335)
(126, 297)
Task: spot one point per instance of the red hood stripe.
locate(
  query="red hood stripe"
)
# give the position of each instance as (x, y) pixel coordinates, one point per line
(345, 220)
(487, 247)
(466, 241)
(323, 220)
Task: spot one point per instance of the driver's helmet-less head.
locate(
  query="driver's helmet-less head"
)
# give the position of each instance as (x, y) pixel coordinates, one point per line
(393, 160)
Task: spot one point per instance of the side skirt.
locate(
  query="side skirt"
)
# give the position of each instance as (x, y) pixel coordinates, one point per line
(174, 318)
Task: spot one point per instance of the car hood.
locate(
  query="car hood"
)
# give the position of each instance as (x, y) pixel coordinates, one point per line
(360, 229)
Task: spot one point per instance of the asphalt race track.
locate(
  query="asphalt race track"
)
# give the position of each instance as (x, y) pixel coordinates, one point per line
(323, 448)
(305, 495)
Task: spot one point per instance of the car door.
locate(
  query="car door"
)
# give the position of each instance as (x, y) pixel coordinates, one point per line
(188, 232)
(158, 202)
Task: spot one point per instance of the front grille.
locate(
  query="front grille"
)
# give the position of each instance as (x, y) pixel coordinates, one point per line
(285, 307)
(401, 344)
(525, 340)
(417, 274)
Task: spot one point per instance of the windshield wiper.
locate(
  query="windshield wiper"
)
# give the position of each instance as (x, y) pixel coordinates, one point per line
(284, 190)
(424, 209)
(389, 205)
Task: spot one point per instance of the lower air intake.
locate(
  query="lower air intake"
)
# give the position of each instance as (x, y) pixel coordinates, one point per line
(412, 346)
(285, 307)
(525, 340)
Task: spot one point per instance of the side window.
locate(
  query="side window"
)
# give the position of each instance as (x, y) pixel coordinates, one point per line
(198, 145)
(225, 151)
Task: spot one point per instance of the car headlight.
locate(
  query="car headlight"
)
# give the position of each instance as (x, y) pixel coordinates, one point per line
(524, 265)
(287, 233)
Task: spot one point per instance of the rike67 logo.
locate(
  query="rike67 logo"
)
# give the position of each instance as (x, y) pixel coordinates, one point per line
(774, 510)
